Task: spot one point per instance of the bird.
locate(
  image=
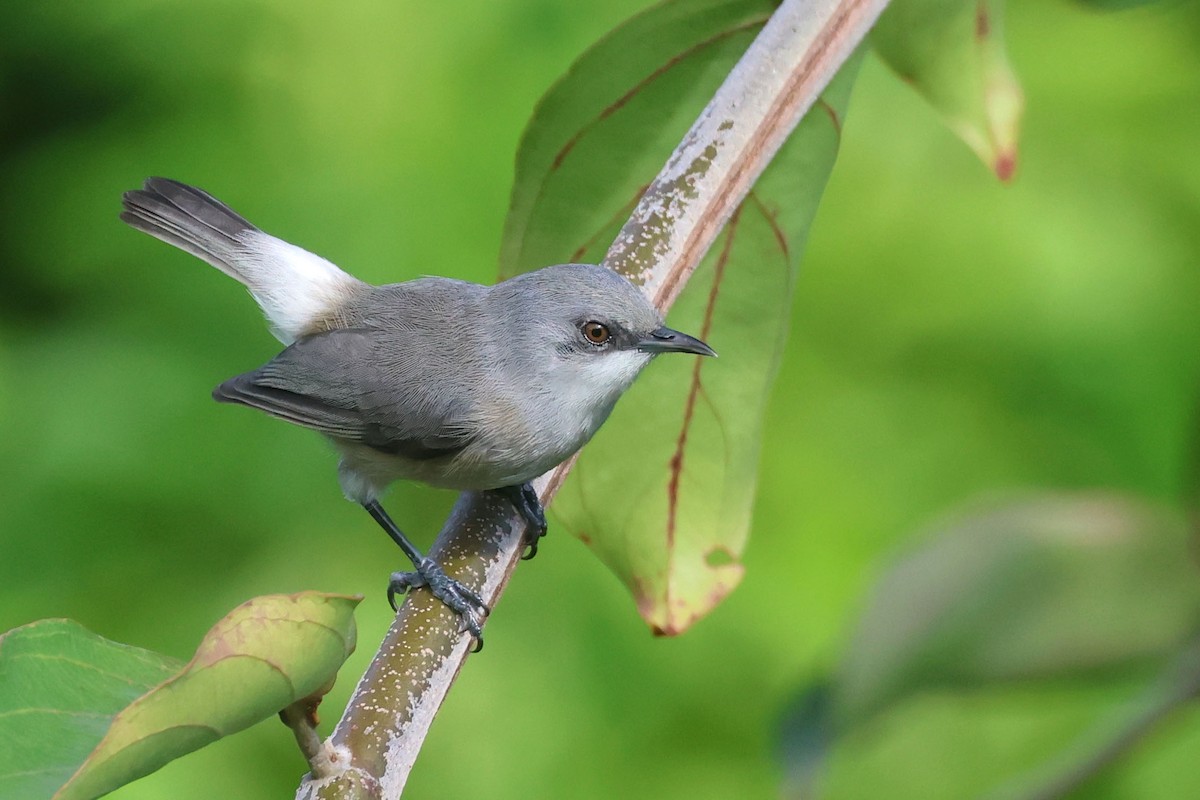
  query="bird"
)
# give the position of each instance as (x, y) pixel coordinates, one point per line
(445, 382)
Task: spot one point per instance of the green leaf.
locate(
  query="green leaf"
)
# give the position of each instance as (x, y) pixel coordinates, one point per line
(60, 687)
(952, 52)
(1048, 586)
(663, 493)
(605, 129)
(81, 715)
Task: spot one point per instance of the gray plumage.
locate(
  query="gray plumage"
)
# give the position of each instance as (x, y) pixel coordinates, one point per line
(446, 382)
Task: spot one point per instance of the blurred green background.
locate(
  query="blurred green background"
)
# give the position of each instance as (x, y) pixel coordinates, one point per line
(952, 338)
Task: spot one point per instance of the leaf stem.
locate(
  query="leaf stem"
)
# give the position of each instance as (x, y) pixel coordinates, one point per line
(301, 717)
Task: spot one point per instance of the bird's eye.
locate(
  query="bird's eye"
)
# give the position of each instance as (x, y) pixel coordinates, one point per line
(595, 332)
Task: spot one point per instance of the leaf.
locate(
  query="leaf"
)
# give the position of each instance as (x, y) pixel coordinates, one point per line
(60, 687)
(81, 715)
(604, 130)
(663, 493)
(952, 52)
(1047, 586)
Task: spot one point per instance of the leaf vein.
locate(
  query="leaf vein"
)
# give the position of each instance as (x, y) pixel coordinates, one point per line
(76, 662)
(676, 463)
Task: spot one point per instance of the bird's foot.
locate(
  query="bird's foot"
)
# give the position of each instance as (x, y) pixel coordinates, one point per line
(527, 503)
(464, 602)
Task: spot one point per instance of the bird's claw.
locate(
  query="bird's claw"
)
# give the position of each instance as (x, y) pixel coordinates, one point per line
(455, 595)
(527, 503)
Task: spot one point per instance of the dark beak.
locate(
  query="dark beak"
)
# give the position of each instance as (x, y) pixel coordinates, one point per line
(665, 340)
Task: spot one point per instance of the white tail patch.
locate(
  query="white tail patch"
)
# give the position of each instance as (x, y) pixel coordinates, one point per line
(295, 288)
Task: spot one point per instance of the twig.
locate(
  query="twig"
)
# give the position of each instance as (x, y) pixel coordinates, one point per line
(301, 717)
(709, 174)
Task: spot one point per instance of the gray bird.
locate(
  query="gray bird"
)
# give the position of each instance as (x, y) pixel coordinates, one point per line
(441, 381)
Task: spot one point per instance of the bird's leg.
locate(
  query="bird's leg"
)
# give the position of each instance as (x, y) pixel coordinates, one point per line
(464, 602)
(525, 501)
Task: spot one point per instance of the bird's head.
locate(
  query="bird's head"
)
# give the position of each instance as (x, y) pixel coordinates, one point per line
(590, 330)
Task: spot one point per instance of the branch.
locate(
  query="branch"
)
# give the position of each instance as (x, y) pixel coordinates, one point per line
(1115, 738)
(776, 82)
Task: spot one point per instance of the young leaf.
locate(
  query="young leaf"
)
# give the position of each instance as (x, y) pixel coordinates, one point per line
(663, 493)
(81, 715)
(952, 52)
(1049, 586)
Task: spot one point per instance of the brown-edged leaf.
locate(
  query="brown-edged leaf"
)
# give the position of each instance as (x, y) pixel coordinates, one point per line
(952, 52)
(663, 493)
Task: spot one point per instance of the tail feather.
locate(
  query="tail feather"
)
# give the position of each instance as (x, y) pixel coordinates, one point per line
(190, 219)
(297, 290)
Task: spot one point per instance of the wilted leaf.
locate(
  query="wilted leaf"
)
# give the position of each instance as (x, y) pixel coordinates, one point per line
(952, 52)
(663, 493)
(81, 715)
(1038, 588)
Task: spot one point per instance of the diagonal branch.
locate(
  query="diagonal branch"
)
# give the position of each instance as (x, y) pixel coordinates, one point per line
(1112, 738)
(779, 78)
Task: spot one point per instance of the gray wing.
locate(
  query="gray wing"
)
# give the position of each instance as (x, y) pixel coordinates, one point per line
(334, 383)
